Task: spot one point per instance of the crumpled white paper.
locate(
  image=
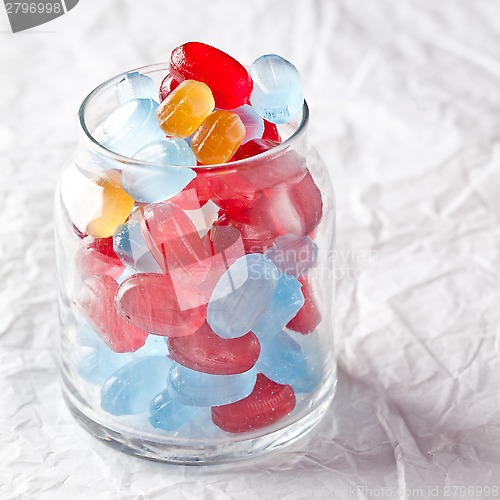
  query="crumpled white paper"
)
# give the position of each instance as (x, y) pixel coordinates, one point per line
(405, 109)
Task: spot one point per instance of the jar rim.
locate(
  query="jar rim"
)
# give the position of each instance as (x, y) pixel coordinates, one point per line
(102, 150)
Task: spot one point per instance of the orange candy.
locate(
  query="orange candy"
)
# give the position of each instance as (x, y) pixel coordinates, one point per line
(115, 205)
(183, 110)
(218, 137)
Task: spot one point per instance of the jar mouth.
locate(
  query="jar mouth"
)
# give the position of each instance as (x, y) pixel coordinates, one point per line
(102, 150)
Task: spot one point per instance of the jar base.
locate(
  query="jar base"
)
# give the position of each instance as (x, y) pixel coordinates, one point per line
(198, 453)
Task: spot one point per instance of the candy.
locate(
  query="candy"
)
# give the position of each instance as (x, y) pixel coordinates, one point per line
(308, 317)
(168, 152)
(168, 414)
(278, 95)
(98, 257)
(115, 205)
(168, 84)
(293, 255)
(204, 351)
(194, 388)
(268, 403)
(183, 110)
(152, 303)
(130, 127)
(132, 249)
(218, 137)
(253, 123)
(135, 86)
(242, 295)
(271, 132)
(253, 147)
(195, 195)
(95, 300)
(286, 302)
(130, 390)
(229, 81)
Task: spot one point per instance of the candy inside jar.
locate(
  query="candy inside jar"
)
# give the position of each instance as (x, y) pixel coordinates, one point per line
(194, 232)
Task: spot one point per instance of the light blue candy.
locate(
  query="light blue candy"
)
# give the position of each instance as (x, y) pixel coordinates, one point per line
(282, 360)
(254, 124)
(169, 414)
(132, 249)
(293, 254)
(278, 94)
(242, 296)
(195, 388)
(285, 304)
(130, 127)
(154, 346)
(155, 183)
(130, 390)
(136, 86)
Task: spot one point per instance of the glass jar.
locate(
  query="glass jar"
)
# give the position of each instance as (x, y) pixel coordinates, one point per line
(198, 329)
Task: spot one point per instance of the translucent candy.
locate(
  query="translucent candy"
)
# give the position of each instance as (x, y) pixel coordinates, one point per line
(253, 147)
(98, 257)
(195, 195)
(130, 127)
(293, 255)
(152, 303)
(204, 351)
(286, 302)
(254, 124)
(183, 110)
(242, 295)
(283, 360)
(195, 388)
(168, 414)
(135, 86)
(271, 132)
(268, 403)
(155, 183)
(168, 84)
(131, 248)
(278, 94)
(115, 205)
(129, 391)
(218, 137)
(227, 78)
(308, 317)
(96, 301)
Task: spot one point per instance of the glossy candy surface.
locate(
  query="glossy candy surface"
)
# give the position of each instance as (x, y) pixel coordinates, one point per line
(168, 413)
(278, 94)
(195, 388)
(185, 108)
(308, 317)
(115, 205)
(96, 301)
(253, 147)
(206, 352)
(195, 195)
(227, 78)
(218, 137)
(168, 84)
(293, 255)
(253, 123)
(130, 127)
(136, 86)
(98, 257)
(268, 403)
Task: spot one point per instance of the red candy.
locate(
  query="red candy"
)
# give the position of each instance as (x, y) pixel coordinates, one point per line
(204, 351)
(308, 317)
(271, 132)
(152, 302)
(168, 84)
(96, 301)
(268, 403)
(229, 81)
(232, 192)
(98, 257)
(253, 148)
(195, 195)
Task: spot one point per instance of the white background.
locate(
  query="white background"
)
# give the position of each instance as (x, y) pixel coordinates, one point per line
(405, 109)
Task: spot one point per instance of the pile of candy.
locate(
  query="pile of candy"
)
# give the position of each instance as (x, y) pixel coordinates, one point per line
(191, 276)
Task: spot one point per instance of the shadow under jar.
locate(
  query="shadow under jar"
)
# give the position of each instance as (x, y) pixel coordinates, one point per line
(198, 329)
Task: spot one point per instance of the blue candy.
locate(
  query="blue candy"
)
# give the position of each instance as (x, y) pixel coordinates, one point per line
(278, 94)
(195, 388)
(132, 249)
(168, 151)
(130, 127)
(168, 413)
(254, 124)
(293, 254)
(285, 303)
(130, 390)
(242, 296)
(136, 86)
